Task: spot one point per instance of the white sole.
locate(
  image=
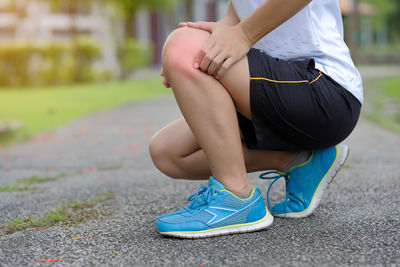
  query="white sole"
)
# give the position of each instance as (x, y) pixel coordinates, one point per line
(226, 230)
(343, 153)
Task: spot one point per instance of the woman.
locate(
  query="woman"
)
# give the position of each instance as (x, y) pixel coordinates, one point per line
(271, 86)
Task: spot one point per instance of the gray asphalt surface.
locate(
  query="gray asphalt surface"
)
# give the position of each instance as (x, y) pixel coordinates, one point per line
(357, 222)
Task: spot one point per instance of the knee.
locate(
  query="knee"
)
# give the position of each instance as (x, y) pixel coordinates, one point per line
(180, 50)
(162, 158)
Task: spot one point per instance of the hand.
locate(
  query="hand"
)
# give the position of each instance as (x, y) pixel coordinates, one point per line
(183, 24)
(165, 82)
(225, 46)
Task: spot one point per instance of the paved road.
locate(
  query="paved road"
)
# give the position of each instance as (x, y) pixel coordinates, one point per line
(357, 223)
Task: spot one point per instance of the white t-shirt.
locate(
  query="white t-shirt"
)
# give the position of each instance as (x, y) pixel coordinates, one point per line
(314, 32)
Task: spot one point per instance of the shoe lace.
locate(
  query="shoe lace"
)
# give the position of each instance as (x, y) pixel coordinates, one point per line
(277, 176)
(203, 196)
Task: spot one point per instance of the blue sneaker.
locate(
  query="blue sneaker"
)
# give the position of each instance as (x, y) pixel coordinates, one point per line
(305, 183)
(215, 211)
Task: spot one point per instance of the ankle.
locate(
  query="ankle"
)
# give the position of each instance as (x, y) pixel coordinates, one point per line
(286, 160)
(241, 190)
(238, 186)
(299, 158)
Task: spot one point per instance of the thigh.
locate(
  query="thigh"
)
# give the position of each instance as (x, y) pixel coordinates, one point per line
(180, 51)
(236, 81)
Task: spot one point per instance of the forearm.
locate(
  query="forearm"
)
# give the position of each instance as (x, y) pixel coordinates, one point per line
(268, 16)
(230, 17)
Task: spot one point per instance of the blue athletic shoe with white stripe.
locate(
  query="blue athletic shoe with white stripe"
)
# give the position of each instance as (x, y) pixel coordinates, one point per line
(305, 183)
(215, 211)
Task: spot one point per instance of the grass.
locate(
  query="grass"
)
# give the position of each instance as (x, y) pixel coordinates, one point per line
(25, 184)
(42, 109)
(38, 179)
(346, 166)
(50, 218)
(111, 167)
(90, 203)
(67, 213)
(14, 188)
(384, 103)
(391, 87)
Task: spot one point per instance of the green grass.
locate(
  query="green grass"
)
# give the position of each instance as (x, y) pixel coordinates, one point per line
(14, 188)
(391, 87)
(346, 166)
(383, 99)
(68, 213)
(91, 202)
(25, 184)
(115, 166)
(50, 218)
(42, 109)
(38, 179)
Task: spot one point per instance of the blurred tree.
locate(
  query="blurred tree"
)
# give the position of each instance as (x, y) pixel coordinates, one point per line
(72, 8)
(383, 7)
(354, 29)
(387, 16)
(189, 10)
(126, 10)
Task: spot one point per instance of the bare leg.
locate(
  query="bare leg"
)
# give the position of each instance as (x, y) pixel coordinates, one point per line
(209, 108)
(176, 152)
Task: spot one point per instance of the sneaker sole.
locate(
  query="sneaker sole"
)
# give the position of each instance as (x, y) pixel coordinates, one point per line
(343, 153)
(226, 230)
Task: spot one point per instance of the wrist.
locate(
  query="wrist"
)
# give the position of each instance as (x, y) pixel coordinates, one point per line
(239, 28)
(227, 20)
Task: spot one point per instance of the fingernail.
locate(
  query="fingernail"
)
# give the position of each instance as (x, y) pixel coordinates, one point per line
(196, 65)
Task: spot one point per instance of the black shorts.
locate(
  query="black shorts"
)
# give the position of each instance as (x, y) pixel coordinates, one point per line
(295, 106)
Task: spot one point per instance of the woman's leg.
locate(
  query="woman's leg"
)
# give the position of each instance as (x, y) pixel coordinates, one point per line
(209, 107)
(176, 152)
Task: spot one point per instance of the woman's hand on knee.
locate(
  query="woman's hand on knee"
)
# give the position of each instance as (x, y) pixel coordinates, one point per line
(225, 46)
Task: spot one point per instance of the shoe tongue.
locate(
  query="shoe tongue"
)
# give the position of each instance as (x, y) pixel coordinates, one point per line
(212, 182)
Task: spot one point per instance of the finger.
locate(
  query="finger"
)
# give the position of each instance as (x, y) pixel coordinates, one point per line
(203, 51)
(203, 25)
(182, 24)
(216, 64)
(225, 66)
(209, 58)
(165, 83)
